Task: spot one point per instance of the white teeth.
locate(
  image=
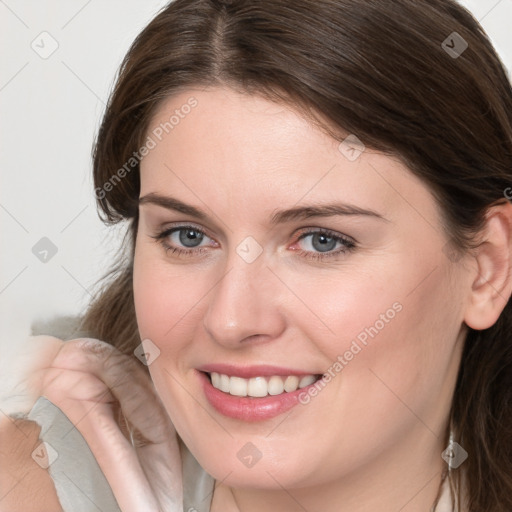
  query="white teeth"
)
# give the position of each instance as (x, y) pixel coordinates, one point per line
(291, 383)
(306, 381)
(275, 385)
(215, 380)
(258, 387)
(237, 386)
(224, 383)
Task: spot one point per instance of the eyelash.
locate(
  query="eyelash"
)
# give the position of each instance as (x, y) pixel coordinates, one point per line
(349, 244)
(160, 238)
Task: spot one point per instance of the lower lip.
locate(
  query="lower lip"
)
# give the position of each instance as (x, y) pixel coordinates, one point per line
(249, 408)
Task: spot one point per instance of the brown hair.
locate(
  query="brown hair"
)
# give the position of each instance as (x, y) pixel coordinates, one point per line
(380, 70)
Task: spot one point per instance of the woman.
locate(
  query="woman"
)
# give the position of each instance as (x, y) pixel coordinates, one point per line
(319, 264)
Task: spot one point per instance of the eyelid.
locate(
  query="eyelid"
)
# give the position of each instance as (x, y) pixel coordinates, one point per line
(311, 230)
(167, 228)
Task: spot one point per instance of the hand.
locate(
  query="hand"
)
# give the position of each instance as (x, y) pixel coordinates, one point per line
(110, 399)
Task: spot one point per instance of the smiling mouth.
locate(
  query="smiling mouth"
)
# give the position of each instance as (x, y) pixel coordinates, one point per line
(259, 387)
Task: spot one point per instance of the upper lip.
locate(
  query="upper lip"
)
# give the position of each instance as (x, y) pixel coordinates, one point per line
(247, 372)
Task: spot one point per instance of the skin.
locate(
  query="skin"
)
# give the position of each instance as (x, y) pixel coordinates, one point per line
(20, 476)
(372, 439)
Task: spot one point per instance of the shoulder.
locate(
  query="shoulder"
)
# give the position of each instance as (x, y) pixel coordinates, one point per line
(25, 483)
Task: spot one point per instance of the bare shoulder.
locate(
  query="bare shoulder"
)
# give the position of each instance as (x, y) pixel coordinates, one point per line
(25, 484)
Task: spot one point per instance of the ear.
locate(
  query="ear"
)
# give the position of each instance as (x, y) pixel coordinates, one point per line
(492, 283)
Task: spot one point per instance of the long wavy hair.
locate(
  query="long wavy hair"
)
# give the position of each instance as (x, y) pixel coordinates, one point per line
(418, 79)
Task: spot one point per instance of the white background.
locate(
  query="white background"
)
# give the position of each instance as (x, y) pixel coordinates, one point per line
(49, 113)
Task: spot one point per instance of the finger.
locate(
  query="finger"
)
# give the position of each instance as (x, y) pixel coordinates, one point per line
(127, 381)
(129, 384)
(87, 402)
(118, 461)
(162, 466)
(58, 384)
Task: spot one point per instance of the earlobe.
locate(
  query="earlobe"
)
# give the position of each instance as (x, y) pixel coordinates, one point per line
(492, 282)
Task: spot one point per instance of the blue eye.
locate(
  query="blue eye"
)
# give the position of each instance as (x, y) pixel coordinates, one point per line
(324, 242)
(188, 237)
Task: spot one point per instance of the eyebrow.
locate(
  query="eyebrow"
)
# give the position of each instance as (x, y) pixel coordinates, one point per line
(280, 216)
(170, 203)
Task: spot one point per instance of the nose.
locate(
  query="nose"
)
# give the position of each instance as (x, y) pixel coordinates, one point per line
(244, 305)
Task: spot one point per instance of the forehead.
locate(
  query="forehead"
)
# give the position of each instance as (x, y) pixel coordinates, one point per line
(234, 124)
(243, 149)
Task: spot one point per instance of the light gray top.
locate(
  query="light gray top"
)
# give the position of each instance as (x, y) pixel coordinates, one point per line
(79, 481)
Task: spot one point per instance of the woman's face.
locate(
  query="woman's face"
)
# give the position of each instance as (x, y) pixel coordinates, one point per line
(267, 249)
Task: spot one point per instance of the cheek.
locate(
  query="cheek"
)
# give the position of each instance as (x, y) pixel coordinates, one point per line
(403, 357)
(388, 334)
(167, 299)
(343, 310)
